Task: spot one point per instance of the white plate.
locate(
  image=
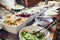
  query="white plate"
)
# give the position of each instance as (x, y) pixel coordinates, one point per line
(18, 7)
(50, 12)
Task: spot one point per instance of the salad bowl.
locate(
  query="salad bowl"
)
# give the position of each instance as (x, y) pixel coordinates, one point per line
(30, 29)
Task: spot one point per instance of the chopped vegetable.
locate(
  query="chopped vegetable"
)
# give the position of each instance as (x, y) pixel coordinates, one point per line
(13, 20)
(32, 36)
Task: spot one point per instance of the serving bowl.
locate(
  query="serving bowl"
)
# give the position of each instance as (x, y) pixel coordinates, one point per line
(43, 20)
(31, 29)
(14, 28)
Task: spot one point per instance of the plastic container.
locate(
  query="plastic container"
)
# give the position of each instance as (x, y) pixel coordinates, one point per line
(43, 20)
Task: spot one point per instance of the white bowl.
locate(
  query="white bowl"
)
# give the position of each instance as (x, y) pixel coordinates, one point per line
(18, 7)
(43, 20)
(31, 29)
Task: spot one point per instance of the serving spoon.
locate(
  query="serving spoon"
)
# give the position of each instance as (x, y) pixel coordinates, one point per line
(45, 30)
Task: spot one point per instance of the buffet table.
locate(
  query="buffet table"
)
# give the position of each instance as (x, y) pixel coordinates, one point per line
(9, 36)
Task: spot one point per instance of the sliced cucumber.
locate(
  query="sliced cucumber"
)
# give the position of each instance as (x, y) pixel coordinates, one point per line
(28, 36)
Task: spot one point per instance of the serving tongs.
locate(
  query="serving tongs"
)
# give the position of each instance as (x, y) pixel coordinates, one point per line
(8, 11)
(3, 5)
(45, 30)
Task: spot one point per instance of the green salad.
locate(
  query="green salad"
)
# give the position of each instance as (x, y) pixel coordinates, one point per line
(25, 35)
